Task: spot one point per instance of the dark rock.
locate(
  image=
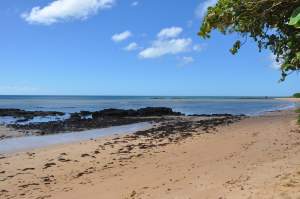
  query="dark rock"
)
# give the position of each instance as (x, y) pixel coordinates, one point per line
(143, 112)
(28, 169)
(27, 115)
(48, 165)
(117, 117)
(114, 113)
(80, 115)
(159, 111)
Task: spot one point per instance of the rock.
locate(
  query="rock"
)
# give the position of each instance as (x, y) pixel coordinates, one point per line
(27, 115)
(156, 111)
(116, 117)
(114, 113)
(143, 112)
(80, 115)
(75, 116)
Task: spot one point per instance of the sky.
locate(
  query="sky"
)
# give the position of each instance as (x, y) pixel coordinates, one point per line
(127, 47)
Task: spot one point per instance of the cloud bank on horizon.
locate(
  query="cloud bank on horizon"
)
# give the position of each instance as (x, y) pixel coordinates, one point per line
(65, 10)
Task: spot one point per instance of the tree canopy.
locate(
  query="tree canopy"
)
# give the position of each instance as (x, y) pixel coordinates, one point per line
(273, 24)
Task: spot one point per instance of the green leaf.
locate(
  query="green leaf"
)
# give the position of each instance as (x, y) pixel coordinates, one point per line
(295, 18)
(298, 55)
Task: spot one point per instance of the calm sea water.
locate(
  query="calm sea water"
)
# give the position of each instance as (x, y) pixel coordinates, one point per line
(187, 105)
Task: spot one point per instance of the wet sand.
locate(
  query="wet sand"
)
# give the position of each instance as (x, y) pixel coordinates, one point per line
(6, 132)
(26, 143)
(257, 157)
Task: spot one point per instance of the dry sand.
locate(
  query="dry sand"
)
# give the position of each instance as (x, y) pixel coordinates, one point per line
(258, 157)
(289, 99)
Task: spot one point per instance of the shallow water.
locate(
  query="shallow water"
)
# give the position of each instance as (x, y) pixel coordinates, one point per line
(186, 105)
(32, 142)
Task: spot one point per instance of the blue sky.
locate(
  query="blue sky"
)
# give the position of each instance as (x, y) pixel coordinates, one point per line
(126, 47)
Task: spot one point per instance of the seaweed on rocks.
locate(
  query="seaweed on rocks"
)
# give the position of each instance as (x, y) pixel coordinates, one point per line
(99, 119)
(18, 113)
(178, 129)
(171, 131)
(143, 112)
(173, 125)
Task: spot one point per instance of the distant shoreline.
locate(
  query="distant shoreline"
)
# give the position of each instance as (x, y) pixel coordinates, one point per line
(289, 99)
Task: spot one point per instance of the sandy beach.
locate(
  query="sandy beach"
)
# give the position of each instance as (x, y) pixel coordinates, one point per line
(289, 99)
(257, 157)
(112, 99)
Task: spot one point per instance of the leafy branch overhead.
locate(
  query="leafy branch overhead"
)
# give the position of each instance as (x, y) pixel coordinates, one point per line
(272, 24)
(295, 18)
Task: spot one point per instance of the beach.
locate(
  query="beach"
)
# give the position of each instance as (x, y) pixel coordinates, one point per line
(289, 99)
(111, 99)
(256, 157)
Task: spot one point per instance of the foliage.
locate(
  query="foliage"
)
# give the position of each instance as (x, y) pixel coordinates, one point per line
(296, 95)
(295, 18)
(273, 24)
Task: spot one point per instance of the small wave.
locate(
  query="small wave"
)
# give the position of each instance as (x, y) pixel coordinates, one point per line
(280, 108)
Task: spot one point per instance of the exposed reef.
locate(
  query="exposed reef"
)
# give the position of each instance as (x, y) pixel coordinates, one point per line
(170, 122)
(86, 120)
(27, 115)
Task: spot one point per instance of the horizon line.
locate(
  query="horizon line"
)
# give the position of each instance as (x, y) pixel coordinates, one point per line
(68, 95)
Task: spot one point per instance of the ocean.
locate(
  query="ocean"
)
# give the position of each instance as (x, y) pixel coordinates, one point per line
(187, 105)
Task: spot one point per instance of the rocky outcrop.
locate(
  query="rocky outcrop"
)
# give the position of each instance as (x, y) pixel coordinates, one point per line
(100, 119)
(18, 113)
(86, 120)
(143, 112)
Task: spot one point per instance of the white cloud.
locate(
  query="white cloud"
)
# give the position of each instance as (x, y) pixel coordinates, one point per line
(135, 3)
(187, 60)
(9, 89)
(167, 43)
(132, 46)
(164, 47)
(189, 23)
(121, 36)
(197, 47)
(169, 32)
(63, 10)
(201, 10)
(274, 64)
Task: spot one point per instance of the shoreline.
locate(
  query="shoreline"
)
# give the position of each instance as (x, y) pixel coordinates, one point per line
(18, 139)
(256, 157)
(289, 99)
(166, 127)
(33, 142)
(25, 123)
